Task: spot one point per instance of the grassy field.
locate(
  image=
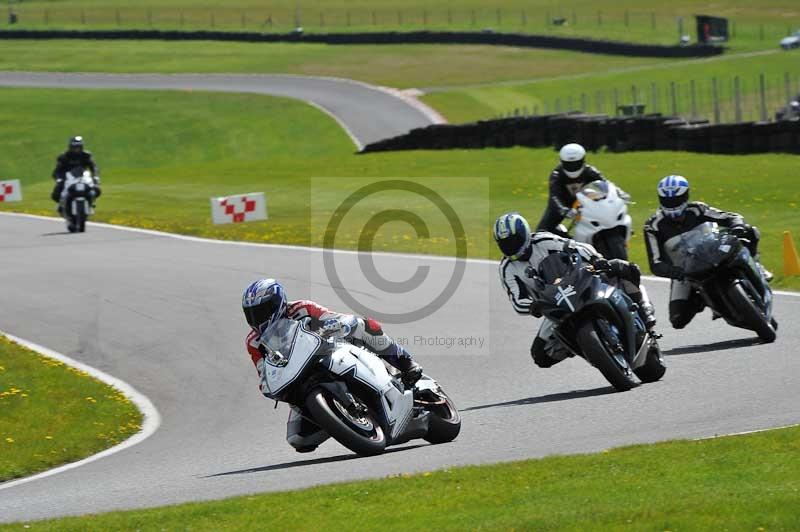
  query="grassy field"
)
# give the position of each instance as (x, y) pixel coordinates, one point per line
(749, 482)
(163, 154)
(646, 21)
(52, 414)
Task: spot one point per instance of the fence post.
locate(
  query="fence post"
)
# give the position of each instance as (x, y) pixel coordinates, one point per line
(616, 102)
(546, 108)
(570, 107)
(634, 94)
(733, 29)
(83, 17)
(558, 105)
(348, 17)
(46, 17)
(524, 17)
(499, 16)
(693, 97)
(244, 19)
(374, 19)
(116, 17)
(599, 18)
(150, 17)
(472, 16)
(181, 21)
(680, 27)
(762, 92)
(627, 18)
(213, 20)
(715, 100)
(574, 18)
(761, 32)
(653, 20)
(535, 110)
(584, 102)
(673, 98)
(737, 99)
(424, 17)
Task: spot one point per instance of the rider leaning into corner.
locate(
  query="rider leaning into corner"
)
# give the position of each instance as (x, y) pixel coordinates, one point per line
(75, 156)
(264, 302)
(677, 215)
(524, 251)
(571, 174)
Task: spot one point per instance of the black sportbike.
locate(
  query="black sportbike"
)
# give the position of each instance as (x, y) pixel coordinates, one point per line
(596, 320)
(723, 271)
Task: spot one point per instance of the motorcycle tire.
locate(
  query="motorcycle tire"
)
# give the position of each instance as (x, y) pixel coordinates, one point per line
(444, 422)
(80, 221)
(654, 367)
(343, 428)
(611, 246)
(752, 316)
(599, 355)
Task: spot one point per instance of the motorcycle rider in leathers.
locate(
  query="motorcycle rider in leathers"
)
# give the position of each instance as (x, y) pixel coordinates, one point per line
(571, 174)
(524, 251)
(677, 215)
(74, 157)
(264, 302)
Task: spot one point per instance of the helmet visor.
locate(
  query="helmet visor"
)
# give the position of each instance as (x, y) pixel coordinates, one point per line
(573, 166)
(512, 245)
(673, 202)
(262, 313)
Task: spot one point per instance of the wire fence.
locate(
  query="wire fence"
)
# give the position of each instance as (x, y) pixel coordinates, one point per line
(719, 100)
(572, 21)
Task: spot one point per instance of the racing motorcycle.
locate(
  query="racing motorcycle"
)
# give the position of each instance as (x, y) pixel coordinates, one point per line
(729, 280)
(596, 320)
(77, 198)
(603, 220)
(351, 393)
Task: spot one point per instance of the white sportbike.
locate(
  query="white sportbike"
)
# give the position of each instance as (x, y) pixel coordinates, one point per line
(603, 220)
(77, 198)
(351, 393)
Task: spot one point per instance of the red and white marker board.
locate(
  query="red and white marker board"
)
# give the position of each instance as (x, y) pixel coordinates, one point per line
(10, 190)
(238, 209)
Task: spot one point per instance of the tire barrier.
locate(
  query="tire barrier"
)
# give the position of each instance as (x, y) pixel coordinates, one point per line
(619, 134)
(387, 37)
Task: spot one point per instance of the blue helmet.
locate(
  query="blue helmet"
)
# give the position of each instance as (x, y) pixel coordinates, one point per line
(673, 195)
(512, 234)
(263, 302)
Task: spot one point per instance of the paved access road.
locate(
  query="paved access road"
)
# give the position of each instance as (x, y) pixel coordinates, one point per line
(366, 112)
(163, 314)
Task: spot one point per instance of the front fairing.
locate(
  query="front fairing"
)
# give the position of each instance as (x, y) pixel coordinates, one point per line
(601, 208)
(702, 250)
(289, 350)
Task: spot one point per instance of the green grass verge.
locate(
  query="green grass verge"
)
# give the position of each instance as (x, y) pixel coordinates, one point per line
(51, 414)
(749, 482)
(629, 20)
(164, 154)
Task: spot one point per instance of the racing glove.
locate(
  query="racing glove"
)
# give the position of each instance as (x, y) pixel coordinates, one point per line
(741, 232)
(535, 309)
(677, 273)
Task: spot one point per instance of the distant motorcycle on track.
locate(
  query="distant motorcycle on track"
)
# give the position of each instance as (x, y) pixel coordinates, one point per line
(351, 393)
(602, 220)
(727, 277)
(596, 320)
(77, 198)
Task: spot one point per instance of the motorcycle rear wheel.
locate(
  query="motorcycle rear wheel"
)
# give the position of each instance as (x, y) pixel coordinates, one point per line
(753, 317)
(599, 355)
(444, 422)
(363, 436)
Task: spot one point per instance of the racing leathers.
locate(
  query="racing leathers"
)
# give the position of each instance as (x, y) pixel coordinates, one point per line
(301, 433)
(546, 349)
(562, 195)
(685, 302)
(67, 161)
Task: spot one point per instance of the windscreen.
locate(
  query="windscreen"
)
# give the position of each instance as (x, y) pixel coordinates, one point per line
(596, 190)
(556, 266)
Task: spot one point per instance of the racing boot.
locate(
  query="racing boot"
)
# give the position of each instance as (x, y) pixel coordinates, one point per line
(410, 371)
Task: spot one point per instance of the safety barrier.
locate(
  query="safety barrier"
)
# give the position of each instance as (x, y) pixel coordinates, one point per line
(386, 37)
(649, 132)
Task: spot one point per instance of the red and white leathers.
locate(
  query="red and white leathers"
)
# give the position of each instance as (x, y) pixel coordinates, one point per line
(301, 433)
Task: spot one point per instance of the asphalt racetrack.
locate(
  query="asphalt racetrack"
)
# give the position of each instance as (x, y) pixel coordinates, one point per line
(163, 313)
(366, 112)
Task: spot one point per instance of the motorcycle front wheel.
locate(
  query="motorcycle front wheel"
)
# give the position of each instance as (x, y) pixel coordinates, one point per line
(600, 354)
(358, 431)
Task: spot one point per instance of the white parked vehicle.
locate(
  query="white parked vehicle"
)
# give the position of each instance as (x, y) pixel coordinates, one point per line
(77, 198)
(351, 393)
(792, 41)
(603, 220)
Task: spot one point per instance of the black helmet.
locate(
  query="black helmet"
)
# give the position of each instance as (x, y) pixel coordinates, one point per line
(76, 142)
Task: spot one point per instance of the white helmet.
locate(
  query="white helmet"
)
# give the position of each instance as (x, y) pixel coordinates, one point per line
(573, 159)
